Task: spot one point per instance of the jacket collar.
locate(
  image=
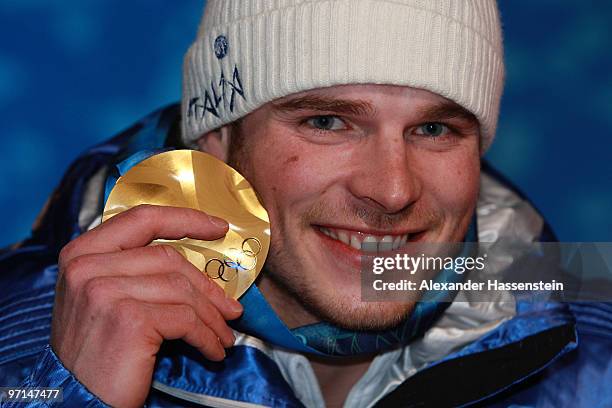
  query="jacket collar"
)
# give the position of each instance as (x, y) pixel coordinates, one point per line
(258, 373)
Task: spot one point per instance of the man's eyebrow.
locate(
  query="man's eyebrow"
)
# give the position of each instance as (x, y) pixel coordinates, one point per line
(326, 104)
(448, 110)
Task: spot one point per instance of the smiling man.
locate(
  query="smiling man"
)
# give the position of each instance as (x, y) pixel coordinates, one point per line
(353, 163)
(356, 121)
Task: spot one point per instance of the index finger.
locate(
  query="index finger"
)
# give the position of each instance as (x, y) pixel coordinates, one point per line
(140, 225)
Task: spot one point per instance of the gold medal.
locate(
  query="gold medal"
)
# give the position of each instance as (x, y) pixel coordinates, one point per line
(192, 179)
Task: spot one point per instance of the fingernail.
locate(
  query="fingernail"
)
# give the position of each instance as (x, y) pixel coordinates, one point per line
(218, 222)
(234, 305)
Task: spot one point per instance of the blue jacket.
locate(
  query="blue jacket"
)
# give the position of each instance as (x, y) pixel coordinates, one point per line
(528, 354)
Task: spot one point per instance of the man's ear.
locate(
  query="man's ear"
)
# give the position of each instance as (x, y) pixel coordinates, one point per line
(216, 142)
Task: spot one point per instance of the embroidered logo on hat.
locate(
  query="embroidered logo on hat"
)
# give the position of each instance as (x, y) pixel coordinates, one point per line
(221, 46)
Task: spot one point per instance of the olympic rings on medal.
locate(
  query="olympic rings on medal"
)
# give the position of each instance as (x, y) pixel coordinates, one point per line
(237, 263)
(220, 268)
(248, 251)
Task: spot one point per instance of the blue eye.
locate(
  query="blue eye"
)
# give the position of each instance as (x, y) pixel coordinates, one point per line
(432, 129)
(326, 123)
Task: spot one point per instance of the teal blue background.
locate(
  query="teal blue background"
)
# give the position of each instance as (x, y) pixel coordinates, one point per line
(73, 73)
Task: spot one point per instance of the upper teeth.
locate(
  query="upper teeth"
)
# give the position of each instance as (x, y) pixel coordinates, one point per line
(372, 243)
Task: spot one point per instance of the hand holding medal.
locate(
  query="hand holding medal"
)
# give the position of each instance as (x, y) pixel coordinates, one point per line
(137, 279)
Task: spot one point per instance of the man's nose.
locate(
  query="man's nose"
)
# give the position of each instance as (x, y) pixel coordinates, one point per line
(386, 177)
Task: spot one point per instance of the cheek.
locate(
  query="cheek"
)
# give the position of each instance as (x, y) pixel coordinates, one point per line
(453, 181)
(288, 174)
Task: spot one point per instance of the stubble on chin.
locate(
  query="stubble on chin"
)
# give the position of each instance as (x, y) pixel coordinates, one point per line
(298, 300)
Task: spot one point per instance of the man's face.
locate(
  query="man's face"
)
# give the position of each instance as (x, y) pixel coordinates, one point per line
(340, 165)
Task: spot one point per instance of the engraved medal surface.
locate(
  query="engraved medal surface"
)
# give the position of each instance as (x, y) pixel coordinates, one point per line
(192, 179)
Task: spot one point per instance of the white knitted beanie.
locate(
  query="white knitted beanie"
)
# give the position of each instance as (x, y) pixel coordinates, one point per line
(250, 52)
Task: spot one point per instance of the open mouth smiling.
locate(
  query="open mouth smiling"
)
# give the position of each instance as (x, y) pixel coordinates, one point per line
(370, 242)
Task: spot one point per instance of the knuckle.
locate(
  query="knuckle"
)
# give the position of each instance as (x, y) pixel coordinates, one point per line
(169, 254)
(210, 316)
(143, 212)
(211, 288)
(201, 285)
(139, 215)
(181, 282)
(190, 316)
(78, 264)
(74, 272)
(97, 292)
(206, 283)
(66, 252)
